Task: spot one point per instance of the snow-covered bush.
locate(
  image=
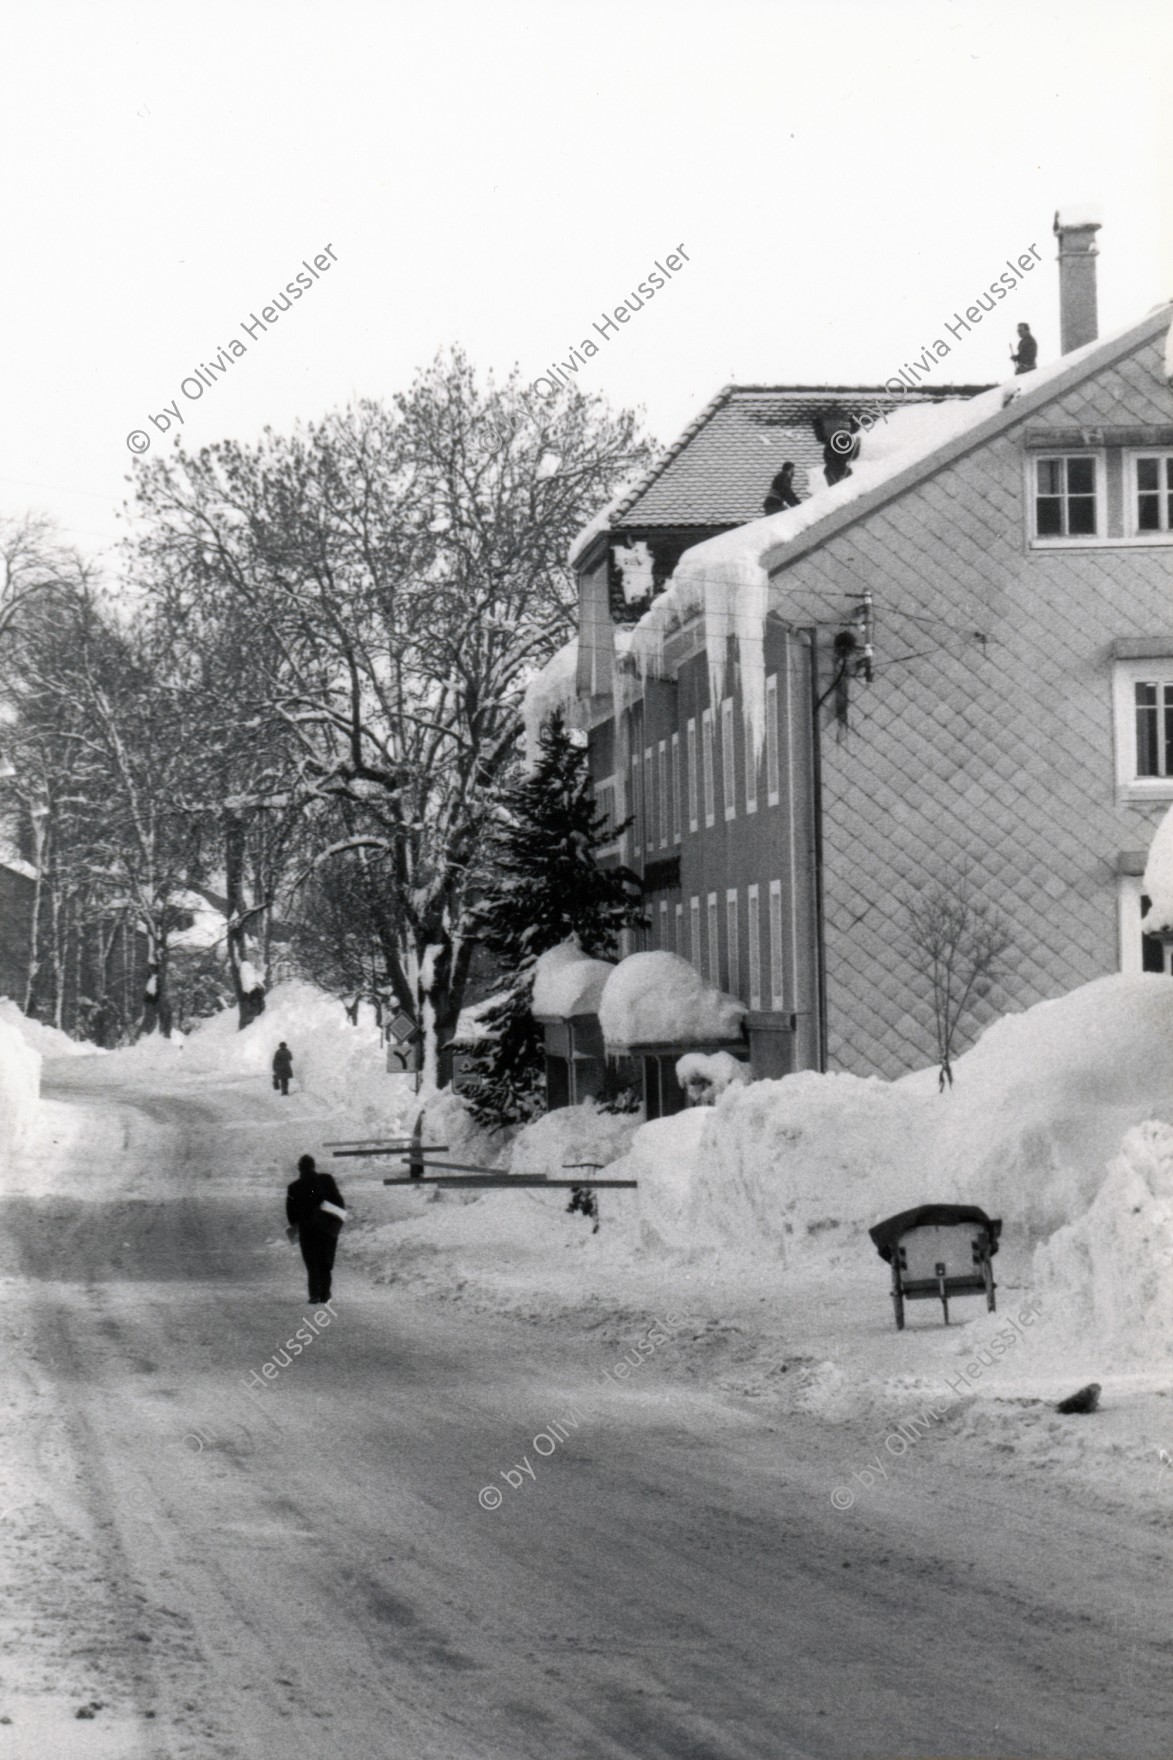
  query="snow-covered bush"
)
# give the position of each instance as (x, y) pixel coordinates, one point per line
(705, 1076)
(20, 1085)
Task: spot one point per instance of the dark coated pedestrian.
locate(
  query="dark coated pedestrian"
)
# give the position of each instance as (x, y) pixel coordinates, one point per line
(282, 1067)
(781, 493)
(315, 1210)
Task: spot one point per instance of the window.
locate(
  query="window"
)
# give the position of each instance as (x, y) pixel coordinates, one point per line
(751, 768)
(664, 925)
(1067, 496)
(714, 942)
(649, 803)
(692, 819)
(605, 807)
(1151, 494)
(707, 761)
(678, 944)
(728, 765)
(694, 925)
(754, 932)
(663, 781)
(676, 804)
(733, 944)
(1142, 691)
(1139, 952)
(777, 968)
(772, 740)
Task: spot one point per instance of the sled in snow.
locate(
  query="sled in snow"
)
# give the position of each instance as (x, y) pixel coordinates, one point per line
(938, 1250)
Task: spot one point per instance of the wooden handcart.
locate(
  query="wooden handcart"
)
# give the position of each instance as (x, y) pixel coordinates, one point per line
(938, 1251)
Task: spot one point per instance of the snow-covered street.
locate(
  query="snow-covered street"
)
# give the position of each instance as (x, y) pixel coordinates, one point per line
(313, 1569)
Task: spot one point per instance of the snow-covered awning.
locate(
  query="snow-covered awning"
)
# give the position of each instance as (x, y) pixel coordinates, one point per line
(659, 999)
(568, 984)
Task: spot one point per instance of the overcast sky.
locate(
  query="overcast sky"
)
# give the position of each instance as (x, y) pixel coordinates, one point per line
(843, 176)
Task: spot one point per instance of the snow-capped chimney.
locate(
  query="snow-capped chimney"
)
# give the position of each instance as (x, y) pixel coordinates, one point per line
(1076, 229)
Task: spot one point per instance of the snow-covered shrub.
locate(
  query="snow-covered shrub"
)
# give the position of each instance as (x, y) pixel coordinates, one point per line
(705, 1076)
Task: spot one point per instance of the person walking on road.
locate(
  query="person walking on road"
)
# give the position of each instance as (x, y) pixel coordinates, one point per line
(315, 1211)
(282, 1067)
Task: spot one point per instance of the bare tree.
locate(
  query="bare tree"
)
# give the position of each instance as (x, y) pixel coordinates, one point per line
(957, 942)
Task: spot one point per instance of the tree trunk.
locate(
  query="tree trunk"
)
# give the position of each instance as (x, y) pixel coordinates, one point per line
(250, 1002)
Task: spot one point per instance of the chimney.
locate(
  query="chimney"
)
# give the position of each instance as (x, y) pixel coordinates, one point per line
(1076, 229)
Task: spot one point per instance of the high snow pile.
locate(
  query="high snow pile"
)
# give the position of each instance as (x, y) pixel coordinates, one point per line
(550, 1145)
(568, 983)
(1110, 1273)
(49, 1041)
(653, 998)
(20, 1085)
(1038, 1109)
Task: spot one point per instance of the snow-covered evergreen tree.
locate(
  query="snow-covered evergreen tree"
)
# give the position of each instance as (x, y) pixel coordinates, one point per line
(546, 887)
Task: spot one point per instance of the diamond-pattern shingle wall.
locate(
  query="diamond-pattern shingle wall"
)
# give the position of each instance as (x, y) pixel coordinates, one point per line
(985, 742)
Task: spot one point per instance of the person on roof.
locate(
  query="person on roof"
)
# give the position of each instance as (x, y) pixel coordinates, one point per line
(1028, 351)
(838, 435)
(781, 492)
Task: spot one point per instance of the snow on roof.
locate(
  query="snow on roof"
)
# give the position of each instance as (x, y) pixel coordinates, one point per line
(568, 983)
(551, 689)
(726, 579)
(1158, 879)
(659, 999)
(1079, 214)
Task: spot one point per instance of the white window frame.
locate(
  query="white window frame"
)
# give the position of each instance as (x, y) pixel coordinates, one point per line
(662, 778)
(753, 915)
(777, 957)
(773, 756)
(678, 944)
(696, 952)
(1132, 491)
(708, 778)
(1061, 541)
(714, 936)
(733, 940)
(692, 774)
(728, 760)
(677, 825)
(1126, 675)
(751, 767)
(649, 800)
(664, 925)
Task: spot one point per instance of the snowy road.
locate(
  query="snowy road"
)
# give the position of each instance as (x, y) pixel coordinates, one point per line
(308, 1572)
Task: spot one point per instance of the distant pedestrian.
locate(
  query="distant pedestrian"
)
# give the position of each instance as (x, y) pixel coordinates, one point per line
(315, 1211)
(282, 1067)
(781, 492)
(1028, 351)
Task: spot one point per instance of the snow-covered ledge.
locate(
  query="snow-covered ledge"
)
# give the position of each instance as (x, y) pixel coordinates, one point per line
(568, 984)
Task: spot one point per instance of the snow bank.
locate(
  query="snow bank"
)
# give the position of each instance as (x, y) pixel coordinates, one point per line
(658, 998)
(705, 1077)
(572, 1134)
(567, 983)
(1110, 1273)
(46, 1040)
(20, 1085)
(806, 1164)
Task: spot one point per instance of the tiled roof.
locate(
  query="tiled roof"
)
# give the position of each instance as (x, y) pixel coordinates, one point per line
(718, 470)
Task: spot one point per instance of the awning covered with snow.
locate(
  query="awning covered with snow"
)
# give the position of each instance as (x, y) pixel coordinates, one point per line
(659, 999)
(568, 984)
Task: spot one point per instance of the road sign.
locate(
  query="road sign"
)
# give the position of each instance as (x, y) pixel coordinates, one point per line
(402, 1028)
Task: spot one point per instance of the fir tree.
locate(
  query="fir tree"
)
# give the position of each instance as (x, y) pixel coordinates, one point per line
(546, 887)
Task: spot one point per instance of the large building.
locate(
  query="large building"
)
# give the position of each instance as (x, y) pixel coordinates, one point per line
(953, 667)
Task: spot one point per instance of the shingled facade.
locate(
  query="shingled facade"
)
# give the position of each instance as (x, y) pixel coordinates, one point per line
(1010, 593)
